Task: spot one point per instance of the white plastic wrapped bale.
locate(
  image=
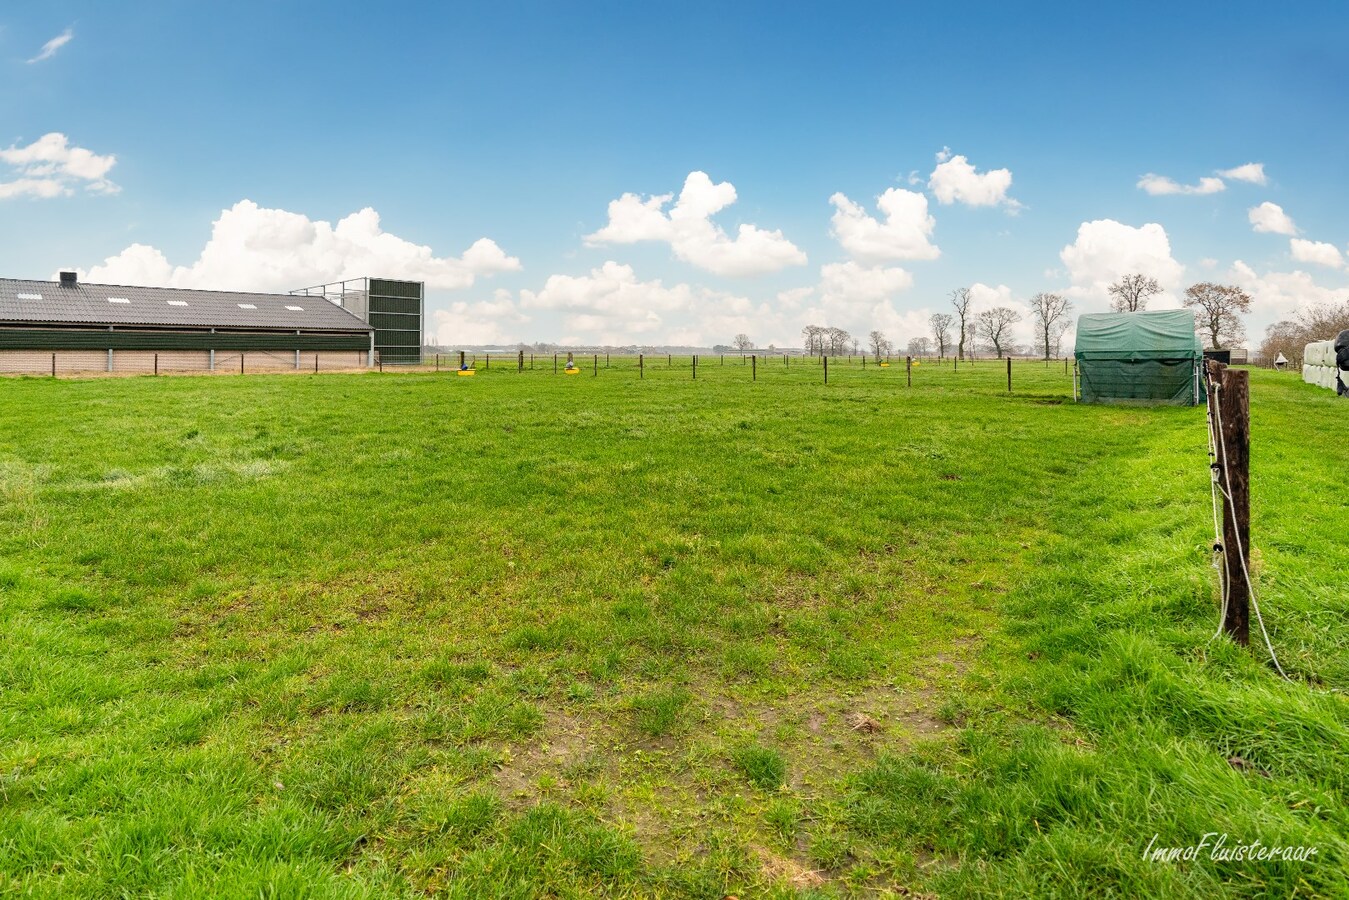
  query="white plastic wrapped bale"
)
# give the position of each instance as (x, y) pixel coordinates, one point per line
(1318, 364)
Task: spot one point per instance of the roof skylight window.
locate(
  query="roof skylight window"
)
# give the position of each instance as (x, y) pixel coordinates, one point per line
(118, 300)
(29, 296)
(295, 308)
(177, 303)
(248, 306)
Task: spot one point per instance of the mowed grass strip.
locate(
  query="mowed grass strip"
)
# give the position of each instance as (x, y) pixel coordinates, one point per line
(524, 634)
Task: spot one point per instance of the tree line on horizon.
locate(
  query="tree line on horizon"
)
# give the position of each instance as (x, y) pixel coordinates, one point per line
(1217, 309)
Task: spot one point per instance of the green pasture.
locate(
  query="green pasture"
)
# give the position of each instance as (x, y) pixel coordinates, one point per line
(536, 635)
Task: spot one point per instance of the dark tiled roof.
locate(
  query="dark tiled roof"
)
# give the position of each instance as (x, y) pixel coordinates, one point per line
(50, 302)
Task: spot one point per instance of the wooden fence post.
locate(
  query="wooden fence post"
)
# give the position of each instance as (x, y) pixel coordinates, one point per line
(554, 363)
(597, 365)
(520, 362)
(1229, 407)
(641, 366)
(826, 369)
(695, 367)
(754, 368)
(156, 363)
(461, 359)
(241, 362)
(53, 365)
(1009, 374)
(908, 369)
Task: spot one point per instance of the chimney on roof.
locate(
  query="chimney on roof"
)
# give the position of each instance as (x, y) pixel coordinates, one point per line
(69, 279)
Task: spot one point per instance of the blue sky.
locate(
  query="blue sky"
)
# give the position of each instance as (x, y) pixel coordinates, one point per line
(521, 123)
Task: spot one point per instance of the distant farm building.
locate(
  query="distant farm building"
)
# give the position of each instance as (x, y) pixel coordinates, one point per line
(70, 326)
(1140, 357)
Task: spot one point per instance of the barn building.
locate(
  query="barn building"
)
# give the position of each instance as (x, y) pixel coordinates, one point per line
(68, 326)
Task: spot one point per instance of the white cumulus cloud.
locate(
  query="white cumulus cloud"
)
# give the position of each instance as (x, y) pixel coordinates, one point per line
(257, 249)
(51, 167)
(1269, 218)
(1318, 252)
(1279, 294)
(692, 235)
(905, 234)
(1158, 185)
(851, 283)
(1106, 249)
(475, 322)
(955, 180)
(610, 305)
(856, 297)
(1250, 172)
(49, 49)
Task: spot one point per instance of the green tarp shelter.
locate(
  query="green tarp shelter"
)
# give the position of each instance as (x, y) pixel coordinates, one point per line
(1141, 357)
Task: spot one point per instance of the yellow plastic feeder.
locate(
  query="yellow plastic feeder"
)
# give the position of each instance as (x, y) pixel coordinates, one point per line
(885, 365)
(571, 371)
(463, 372)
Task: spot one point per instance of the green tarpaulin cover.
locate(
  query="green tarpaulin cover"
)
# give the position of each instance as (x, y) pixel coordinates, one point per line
(1142, 357)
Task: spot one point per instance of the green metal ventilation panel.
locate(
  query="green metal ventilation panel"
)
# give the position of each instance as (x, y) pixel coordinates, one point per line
(395, 311)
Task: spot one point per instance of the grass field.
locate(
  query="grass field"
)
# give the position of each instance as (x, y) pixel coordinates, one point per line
(533, 635)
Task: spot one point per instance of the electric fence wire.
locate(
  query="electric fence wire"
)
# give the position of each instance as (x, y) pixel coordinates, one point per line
(1216, 421)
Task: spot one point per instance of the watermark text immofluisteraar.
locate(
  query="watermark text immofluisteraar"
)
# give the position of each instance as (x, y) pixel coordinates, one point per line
(1218, 847)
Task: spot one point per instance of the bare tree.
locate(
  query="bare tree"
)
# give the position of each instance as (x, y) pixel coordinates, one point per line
(1051, 316)
(1131, 292)
(812, 337)
(920, 346)
(940, 323)
(742, 342)
(878, 344)
(994, 325)
(1217, 311)
(960, 299)
(1313, 323)
(837, 341)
